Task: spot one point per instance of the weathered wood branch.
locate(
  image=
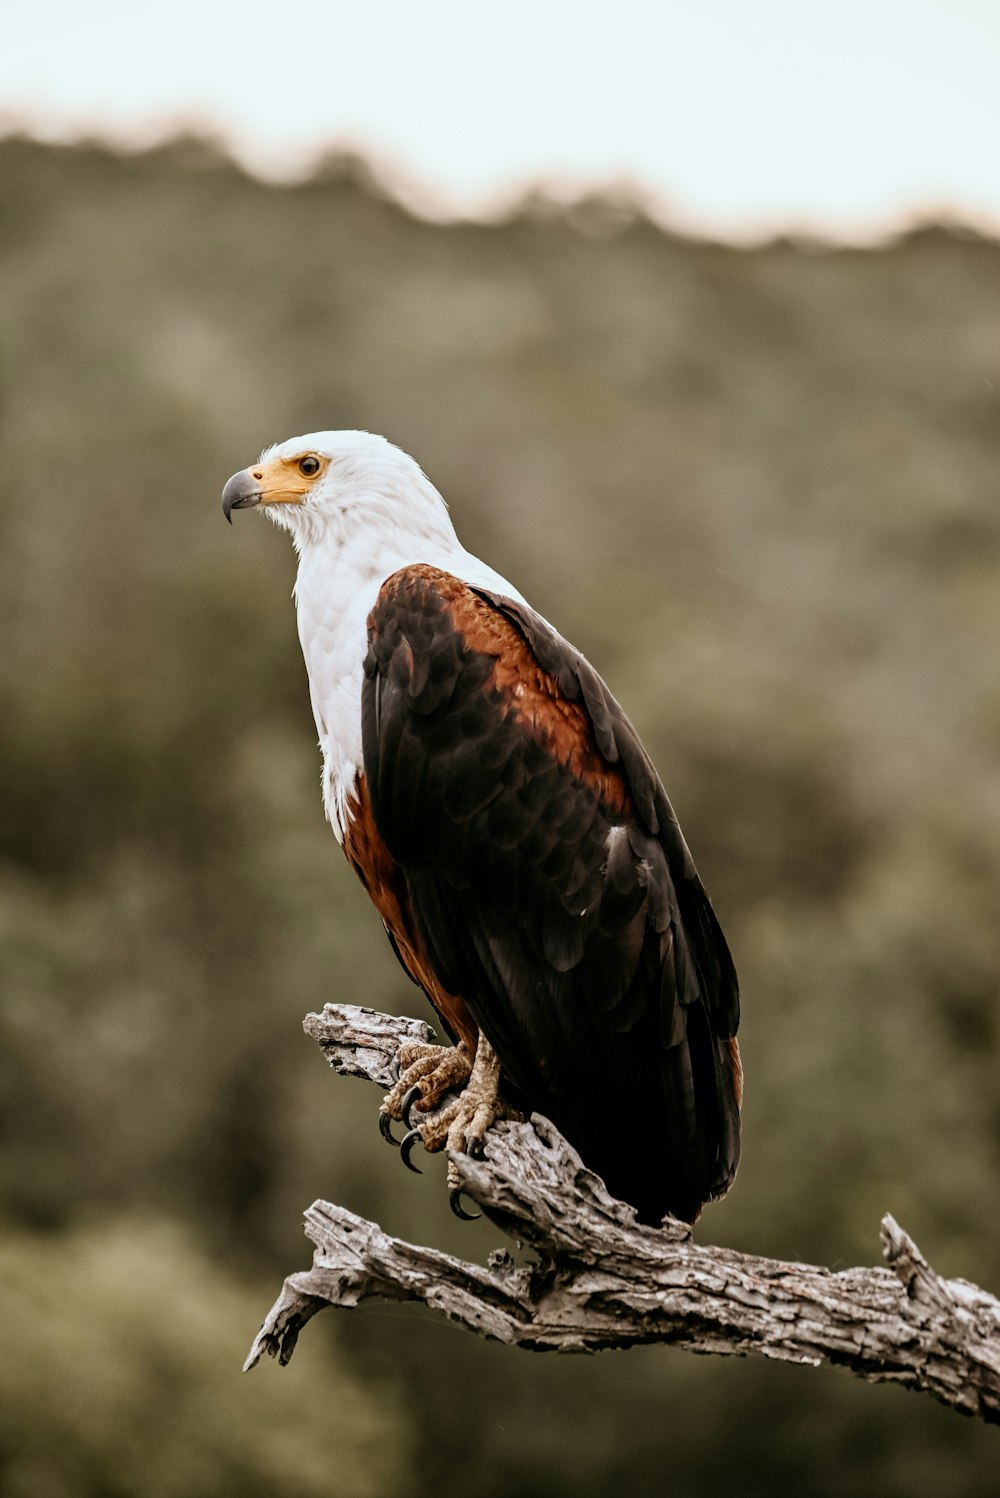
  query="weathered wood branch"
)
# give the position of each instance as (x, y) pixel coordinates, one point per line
(602, 1280)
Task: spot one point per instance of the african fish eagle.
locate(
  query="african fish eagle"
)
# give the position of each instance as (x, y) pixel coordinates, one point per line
(512, 833)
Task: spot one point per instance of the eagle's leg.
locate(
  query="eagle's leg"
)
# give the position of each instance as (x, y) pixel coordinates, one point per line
(480, 1104)
(431, 1069)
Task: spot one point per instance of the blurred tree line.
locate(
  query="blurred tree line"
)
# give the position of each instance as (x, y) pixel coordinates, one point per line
(758, 488)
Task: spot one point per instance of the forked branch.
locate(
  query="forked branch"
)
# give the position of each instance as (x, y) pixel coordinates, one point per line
(602, 1280)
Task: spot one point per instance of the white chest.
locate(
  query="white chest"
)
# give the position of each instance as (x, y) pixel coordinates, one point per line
(333, 633)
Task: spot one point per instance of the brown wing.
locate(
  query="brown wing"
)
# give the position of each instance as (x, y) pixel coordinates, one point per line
(546, 882)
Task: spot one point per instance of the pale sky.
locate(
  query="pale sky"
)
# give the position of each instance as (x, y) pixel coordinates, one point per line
(733, 117)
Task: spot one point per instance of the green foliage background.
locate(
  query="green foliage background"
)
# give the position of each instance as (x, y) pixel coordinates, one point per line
(759, 489)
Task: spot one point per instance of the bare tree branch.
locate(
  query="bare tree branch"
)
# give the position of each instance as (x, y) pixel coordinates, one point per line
(602, 1280)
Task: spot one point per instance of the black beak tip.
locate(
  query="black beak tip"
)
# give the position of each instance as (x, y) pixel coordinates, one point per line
(241, 493)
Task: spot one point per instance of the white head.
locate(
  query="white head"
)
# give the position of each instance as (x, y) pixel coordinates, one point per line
(335, 487)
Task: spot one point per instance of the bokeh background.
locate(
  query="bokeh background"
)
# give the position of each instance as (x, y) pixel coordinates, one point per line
(757, 485)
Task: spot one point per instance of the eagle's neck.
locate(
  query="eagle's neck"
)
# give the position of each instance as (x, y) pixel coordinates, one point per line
(336, 588)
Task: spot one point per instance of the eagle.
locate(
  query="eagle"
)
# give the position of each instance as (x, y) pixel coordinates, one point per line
(512, 833)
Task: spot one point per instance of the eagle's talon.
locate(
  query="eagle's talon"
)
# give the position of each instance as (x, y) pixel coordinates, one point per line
(385, 1128)
(406, 1106)
(406, 1148)
(455, 1203)
(427, 1074)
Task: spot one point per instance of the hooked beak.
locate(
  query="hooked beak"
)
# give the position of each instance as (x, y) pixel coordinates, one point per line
(240, 493)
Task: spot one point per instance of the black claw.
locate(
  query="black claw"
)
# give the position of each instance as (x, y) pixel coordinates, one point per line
(455, 1203)
(409, 1140)
(385, 1128)
(406, 1106)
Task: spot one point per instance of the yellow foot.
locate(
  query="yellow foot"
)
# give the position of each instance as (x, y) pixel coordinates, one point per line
(461, 1125)
(427, 1072)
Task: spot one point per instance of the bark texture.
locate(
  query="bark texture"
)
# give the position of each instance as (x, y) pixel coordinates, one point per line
(601, 1280)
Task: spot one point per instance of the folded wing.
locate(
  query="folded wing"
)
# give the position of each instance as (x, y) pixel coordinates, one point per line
(548, 887)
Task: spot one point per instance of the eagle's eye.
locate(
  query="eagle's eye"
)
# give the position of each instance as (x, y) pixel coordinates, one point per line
(309, 466)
